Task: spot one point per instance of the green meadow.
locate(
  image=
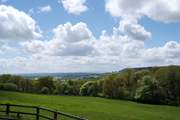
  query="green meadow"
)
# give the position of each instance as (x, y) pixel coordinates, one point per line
(94, 108)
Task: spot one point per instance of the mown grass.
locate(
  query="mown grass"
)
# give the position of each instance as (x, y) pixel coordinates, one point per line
(94, 108)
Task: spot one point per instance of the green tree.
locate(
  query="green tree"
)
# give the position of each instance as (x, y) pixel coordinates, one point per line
(148, 91)
(169, 81)
(46, 82)
(115, 87)
(90, 88)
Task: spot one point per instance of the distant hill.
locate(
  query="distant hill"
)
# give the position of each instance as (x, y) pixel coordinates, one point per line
(61, 75)
(152, 68)
(79, 75)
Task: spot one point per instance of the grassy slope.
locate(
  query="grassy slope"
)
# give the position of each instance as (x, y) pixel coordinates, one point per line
(95, 108)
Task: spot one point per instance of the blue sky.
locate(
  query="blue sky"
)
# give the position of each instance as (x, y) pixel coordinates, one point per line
(161, 32)
(96, 18)
(141, 28)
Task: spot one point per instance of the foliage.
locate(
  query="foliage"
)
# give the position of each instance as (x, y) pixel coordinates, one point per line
(68, 87)
(155, 85)
(115, 87)
(90, 88)
(169, 81)
(149, 91)
(45, 82)
(45, 90)
(9, 86)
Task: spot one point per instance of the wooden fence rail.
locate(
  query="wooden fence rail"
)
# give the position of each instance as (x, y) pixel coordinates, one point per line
(56, 115)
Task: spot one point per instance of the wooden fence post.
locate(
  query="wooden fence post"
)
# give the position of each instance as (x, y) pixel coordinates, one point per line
(37, 113)
(7, 109)
(55, 116)
(18, 115)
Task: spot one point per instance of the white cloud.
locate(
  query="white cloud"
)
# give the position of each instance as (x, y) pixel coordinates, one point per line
(45, 9)
(125, 8)
(72, 33)
(71, 40)
(16, 25)
(159, 10)
(73, 48)
(34, 46)
(77, 40)
(163, 10)
(122, 48)
(68, 40)
(170, 51)
(131, 54)
(133, 30)
(75, 7)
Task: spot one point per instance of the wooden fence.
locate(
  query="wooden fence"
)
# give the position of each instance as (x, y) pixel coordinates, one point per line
(56, 115)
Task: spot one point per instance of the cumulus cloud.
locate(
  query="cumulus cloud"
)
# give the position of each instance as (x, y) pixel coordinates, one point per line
(77, 40)
(124, 45)
(68, 40)
(72, 33)
(168, 52)
(163, 10)
(159, 10)
(75, 7)
(130, 13)
(74, 45)
(71, 40)
(34, 46)
(124, 8)
(133, 30)
(16, 25)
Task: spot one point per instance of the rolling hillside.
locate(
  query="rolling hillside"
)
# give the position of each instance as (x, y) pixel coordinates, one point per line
(94, 108)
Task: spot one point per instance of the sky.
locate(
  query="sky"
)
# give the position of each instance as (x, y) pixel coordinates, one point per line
(46, 36)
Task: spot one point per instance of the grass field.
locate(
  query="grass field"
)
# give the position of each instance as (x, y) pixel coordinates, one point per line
(95, 108)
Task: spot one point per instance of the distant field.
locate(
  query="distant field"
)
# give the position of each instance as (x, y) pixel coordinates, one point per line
(95, 108)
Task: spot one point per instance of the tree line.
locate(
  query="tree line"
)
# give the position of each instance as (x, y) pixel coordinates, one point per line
(158, 85)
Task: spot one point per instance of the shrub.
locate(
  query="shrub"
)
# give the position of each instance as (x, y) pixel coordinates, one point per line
(45, 90)
(1, 86)
(9, 86)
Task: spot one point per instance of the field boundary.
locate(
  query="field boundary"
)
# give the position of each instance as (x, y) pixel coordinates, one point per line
(55, 114)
